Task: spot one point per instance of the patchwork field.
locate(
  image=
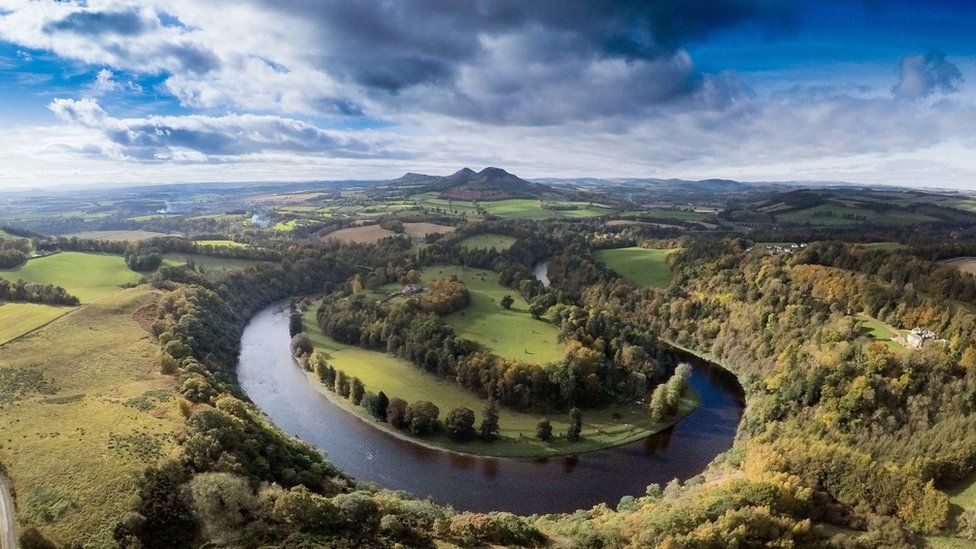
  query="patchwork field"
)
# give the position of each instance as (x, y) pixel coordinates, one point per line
(83, 410)
(86, 276)
(131, 236)
(361, 235)
(420, 230)
(395, 377)
(488, 241)
(646, 267)
(17, 319)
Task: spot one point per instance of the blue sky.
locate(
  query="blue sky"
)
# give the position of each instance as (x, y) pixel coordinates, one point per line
(108, 91)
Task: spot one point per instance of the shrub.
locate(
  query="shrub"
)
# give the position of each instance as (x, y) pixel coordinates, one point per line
(459, 423)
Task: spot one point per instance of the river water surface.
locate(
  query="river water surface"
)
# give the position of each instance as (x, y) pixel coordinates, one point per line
(271, 378)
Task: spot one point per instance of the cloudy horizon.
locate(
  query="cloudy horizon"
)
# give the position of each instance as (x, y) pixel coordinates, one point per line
(115, 92)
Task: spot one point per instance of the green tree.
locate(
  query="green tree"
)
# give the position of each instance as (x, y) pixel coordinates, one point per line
(356, 390)
(342, 384)
(543, 430)
(507, 302)
(459, 423)
(423, 417)
(575, 425)
(397, 413)
(295, 324)
(489, 421)
(380, 405)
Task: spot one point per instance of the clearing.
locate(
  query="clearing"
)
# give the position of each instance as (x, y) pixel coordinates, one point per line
(209, 262)
(964, 264)
(224, 243)
(17, 319)
(84, 275)
(83, 410)
(397, 378)
(366, 234)
(488, 241)
(647, 267)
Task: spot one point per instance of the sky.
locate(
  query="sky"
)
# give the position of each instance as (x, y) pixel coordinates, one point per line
(115, 92)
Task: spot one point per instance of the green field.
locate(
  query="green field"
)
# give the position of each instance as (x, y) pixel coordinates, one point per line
(285, 225)
(86, 276)
(17, 319)
(130, 236)
(881, 331)
(646, 267)
(225, 243)
(395, 377)
(507, 333)
(839, 214)
(488, 241)
(209, 262)
(512, 208)
(83, 410)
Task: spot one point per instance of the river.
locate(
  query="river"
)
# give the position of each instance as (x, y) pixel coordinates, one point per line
(271, 378)
(541, 272)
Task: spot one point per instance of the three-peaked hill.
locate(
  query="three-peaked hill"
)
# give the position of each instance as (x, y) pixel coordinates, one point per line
(488, 184)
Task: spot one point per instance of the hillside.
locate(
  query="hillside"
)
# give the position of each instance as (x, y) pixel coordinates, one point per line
(488, 184)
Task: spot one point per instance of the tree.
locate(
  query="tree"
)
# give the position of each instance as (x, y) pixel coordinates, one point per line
(575, 425)
(460, 423)
(342, 384)
(301, 345)
(396, 413)
(423, 417)
(295, 324)
(507, 302)
(489, 421)
(330, 377)
(223, 503)
(543, 430)
(356, 390)
(380, 405)
(658, 409)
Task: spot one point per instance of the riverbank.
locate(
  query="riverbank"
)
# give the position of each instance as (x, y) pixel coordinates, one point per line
(593, 438)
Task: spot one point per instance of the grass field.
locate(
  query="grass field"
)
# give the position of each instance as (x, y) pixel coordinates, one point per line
(17, 319)
(116, 235)
(208, 262)
(285, 225)
(395, 377)
(508, 333)
(646, 267)
(225, 243)
(834, 214)
(86, 276)
(420, 230)
(83, 410)
(488, 241)
(512, 208)
(963, 498)
(881, 331)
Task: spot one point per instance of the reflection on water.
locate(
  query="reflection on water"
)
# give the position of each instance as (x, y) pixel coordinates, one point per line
(271, 379)
(541, 272)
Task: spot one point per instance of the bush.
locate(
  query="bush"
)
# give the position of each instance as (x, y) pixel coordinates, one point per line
(543, 431)
(396, 413)
(459, 423)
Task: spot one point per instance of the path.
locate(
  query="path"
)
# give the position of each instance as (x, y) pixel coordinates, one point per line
(8, 539)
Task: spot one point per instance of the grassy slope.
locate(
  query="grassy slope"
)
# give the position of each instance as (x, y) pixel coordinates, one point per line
(507, 333)
(71, 473)
(87, 276)
(17, 319)
(117, 235)
(642, 266)
(209, 263)
(395, 377)
(227, 243)
(487, 241)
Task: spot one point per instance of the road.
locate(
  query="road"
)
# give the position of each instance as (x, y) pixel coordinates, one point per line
(8, 539)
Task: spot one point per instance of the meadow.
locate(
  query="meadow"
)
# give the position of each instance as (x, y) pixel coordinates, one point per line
(835, 214)
(513, 208)
(361, 234)
(84, 275)
(224, 243)
(646, 267)
(488, 241)
(17, 319)
(83, 409)
(130, 236)
(208, 262)
(882, 332)
(379, 371)
(964, 264)
(511, 333)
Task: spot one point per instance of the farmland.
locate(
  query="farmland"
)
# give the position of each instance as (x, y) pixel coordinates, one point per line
(488, 241)
(646, 267)
(207, 262)
(83, 410)
(17, 319)
(221, 243)
(363, 234)
(86, 276)
(378, 371)
(131, 236)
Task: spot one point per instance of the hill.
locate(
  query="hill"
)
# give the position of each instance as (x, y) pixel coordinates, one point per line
(488, 184)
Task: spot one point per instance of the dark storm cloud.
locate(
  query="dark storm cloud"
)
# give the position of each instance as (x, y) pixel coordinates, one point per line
(922, 75)
(125, 23)
(469, 57)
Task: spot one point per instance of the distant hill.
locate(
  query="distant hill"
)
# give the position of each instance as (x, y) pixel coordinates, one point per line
(703, 185)
(488, 184)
